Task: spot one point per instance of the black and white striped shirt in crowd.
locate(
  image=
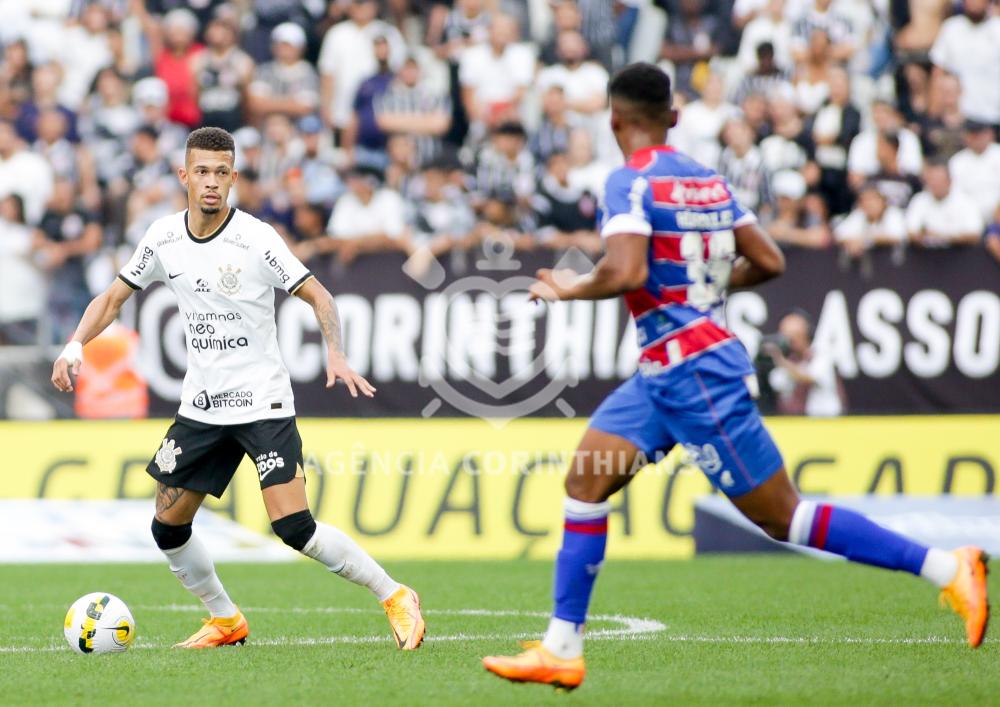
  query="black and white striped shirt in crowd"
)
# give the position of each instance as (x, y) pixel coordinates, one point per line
(748, 177)
(415, 100)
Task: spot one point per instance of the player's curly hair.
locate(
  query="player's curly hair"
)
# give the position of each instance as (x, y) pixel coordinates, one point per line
(211, 139)
(645, 86)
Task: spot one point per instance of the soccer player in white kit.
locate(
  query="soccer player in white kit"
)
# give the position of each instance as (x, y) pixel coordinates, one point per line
(223, 265)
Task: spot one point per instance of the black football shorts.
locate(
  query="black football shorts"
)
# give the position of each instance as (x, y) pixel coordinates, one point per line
(201, 457)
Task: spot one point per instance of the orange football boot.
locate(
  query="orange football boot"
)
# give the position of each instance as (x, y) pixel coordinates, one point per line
(536, 664)
(219, 632)
(966, 595)
(403, 610)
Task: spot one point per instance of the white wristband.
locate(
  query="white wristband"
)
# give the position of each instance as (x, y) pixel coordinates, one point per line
(72, 352)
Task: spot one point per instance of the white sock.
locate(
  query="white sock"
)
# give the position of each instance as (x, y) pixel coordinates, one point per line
(193, 566)
(564, 639)
(345, 557)
(940, 567)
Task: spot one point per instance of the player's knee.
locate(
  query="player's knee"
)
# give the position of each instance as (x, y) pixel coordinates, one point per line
(582, 487)
(295, 529)
(168, 537)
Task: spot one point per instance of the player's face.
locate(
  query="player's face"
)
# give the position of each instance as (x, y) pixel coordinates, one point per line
(208, 176)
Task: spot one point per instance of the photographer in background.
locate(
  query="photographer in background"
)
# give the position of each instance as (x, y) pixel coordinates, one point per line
(804, 379)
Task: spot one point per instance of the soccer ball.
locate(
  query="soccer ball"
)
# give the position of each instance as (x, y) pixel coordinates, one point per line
(99, 623)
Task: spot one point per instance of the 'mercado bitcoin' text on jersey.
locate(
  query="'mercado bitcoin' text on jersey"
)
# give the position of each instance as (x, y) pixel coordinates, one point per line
(689, 213)
(224, 285)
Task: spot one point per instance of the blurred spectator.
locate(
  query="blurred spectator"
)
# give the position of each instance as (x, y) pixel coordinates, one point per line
(897, 188)
(174, 48)
(769, 28)
(874, 222)
(975, 171)
(368, 218)
(940, 215)
(701, 121)
(45, 80)
(565, 212)
(288, 84)
(149, 97)
(15, 78)
(584, 83)
(598, 26)
(765, 79)
(812, 76)
(799, 218)
(106, 125)
(991, 238)
(505, 170)
(495, 75)
(862, 159)
(968, 46)
(347, 58)
(364, 140)
(743, 167)
(68, 161)
(554, 132)
(223, 72)
(411, 107)
(18, 274)
(403, 164)
(585, 171)
(83, 51)
(831, 131)
(281, 151)
(941, 127)
(441, 219)
(466, 24)
(309, 236)
(692, 40)
(319, 182)
(913, 41)
(783, 148)
(24, 173)
(823, 19)
(66, 235)
(154, 190)
(805, 377)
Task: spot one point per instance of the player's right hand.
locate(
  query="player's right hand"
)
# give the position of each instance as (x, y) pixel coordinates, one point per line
(68, 363)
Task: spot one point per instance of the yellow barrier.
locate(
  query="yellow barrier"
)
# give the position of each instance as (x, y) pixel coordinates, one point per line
(473, 491)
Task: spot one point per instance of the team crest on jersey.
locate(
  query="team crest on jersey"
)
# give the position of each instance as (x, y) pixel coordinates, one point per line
(166, 456)
(229, 280)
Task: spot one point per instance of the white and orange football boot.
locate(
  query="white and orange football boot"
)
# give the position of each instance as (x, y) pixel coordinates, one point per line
(403, 610)
(536, 664)
(219, 632)
(966, 595)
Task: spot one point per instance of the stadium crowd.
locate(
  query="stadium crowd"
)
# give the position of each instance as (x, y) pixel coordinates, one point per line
(430, 125)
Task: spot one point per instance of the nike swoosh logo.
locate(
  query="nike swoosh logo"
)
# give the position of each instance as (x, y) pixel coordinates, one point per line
(173, 276)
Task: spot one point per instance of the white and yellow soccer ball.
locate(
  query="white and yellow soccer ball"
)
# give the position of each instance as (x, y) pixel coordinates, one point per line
(99, 623)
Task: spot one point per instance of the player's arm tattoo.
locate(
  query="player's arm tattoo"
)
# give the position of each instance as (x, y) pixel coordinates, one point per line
(166, 497)
(329, 323)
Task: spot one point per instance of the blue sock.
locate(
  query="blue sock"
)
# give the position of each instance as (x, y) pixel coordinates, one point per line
(853, 536)
(585, 537)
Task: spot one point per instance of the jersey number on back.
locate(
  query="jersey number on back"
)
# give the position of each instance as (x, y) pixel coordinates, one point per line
(709, 275)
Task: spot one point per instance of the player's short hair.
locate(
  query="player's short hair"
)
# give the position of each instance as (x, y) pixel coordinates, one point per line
(645, 86)
(212, 140)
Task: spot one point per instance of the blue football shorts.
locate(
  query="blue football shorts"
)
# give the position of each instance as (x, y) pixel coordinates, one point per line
(715, 418)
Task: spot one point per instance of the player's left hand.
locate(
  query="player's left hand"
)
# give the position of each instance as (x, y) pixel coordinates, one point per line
(337, 368)
(551, 285)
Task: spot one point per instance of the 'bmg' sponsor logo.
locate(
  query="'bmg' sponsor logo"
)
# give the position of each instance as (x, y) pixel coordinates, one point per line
(143, 262)
(276, 265)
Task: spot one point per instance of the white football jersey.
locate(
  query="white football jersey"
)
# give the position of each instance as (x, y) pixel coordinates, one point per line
(224, 286)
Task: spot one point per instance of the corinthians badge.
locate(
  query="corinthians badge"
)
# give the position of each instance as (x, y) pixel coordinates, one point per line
(229, 281)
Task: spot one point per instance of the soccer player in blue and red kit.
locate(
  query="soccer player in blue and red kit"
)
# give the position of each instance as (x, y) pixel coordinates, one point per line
(676, 240)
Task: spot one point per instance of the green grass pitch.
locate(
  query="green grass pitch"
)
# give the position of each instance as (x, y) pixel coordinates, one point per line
(736, 630)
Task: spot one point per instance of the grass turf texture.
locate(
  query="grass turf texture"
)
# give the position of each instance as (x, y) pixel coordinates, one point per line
(727, 620)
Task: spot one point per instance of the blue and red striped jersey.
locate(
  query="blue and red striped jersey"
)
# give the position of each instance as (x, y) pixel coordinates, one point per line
(688, 212)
